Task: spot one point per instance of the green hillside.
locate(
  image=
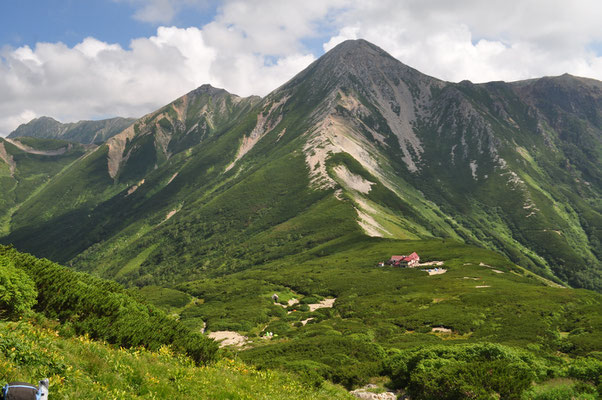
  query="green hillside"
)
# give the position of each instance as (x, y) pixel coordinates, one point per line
(26, 166)
(82, 368)
(215, 183)
(393, 326)
(212, 204)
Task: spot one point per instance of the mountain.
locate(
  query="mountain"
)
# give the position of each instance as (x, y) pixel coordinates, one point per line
(212, 204)
(26, 165)
(357, 142)
(86, 132)
(91, 337)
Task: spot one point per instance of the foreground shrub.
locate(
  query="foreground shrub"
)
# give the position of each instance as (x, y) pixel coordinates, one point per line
(17, 291)
(464, 371)
(104, 310)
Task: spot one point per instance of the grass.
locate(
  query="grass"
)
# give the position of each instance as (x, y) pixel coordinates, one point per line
(82, 368)
(391, 307)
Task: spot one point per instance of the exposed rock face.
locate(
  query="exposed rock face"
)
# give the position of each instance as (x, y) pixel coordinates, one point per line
(181, 124)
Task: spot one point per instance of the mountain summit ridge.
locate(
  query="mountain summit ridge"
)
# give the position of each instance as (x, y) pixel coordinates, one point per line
(389, 151)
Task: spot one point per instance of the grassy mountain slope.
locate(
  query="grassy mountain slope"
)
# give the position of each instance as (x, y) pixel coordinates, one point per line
(213, 183)
(81, 368)
(26, 165)
(101, 308)
(141, 352)
(85, 132)
(428, 335)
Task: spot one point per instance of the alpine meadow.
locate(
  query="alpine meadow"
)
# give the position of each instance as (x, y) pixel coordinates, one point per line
(228, 247)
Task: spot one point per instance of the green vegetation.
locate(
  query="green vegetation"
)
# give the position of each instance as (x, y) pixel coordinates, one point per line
(381, 309)
(81, 368)
(483, 371)
(501, 183)
(30, 172)
(86, 132)
(102, 309)
(17, 291)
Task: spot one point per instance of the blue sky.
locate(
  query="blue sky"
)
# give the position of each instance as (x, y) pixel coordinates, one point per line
(26, 22)
(90, 59)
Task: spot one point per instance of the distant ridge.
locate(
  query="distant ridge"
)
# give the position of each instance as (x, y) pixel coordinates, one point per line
(85, 132)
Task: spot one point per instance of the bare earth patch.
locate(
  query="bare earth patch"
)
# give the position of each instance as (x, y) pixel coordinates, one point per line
(228, 338)
(425, 264)
(355, 182)
(291, 302)
(441, 329)
(326, 303)
(369, 225)
(305, 321)
(170, 214)
(134, 187)
(366, 393)
(435, 271)
(497, 271)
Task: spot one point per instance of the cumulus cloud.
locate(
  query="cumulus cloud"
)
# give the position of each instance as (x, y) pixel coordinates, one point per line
(95, 79)
(480, 41)
(251, 47)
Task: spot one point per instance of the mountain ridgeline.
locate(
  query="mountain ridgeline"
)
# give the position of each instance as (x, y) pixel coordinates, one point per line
(356, 144)
(85, 132)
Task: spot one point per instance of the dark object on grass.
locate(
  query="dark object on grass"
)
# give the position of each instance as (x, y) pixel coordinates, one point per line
(25, 391)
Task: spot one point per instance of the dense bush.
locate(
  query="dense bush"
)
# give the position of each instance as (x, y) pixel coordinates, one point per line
(17, 291)
(464, 371)
(587, 369)
(349, 361)
(104, 310)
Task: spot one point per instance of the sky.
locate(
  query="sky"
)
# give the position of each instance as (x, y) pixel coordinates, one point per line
(93, 59)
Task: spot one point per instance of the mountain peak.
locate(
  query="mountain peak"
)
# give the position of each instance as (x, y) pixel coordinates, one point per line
(208, 89)
(357, 47)
(355, 61)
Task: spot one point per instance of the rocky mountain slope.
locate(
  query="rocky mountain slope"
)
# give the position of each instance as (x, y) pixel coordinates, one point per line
(86, 132)
(356, 143)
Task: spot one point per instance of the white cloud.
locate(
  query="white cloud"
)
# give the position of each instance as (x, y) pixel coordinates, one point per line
(161, 11)
(94, 79)
(480, 41)
(253, 46)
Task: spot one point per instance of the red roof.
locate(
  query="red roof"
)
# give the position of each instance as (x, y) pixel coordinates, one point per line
(409, 258)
